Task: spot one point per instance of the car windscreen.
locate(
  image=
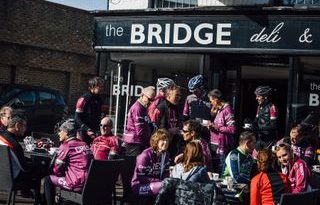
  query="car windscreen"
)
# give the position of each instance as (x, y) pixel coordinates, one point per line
(6, 93)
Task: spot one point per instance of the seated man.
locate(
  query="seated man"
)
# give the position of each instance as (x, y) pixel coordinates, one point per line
(23, 170)
(107, 145)
(71, 165)
(239, 162)
(191, 132)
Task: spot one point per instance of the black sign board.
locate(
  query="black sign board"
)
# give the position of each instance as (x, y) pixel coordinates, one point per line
(216, 33)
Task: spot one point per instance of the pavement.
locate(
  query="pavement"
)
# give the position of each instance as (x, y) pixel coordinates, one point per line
(29, 201)
(19, 199)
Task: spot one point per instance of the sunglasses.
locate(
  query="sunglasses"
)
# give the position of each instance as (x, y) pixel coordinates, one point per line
(150, 99)
(104, 126)
(185, 131)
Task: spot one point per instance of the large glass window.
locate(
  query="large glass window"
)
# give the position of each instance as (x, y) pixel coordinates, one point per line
(143, 70)
(308, 107)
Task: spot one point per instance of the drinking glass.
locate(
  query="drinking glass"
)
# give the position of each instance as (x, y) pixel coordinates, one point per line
(29, 143)
(229, 183)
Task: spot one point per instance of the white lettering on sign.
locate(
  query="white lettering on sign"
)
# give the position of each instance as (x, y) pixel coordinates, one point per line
(135, 90)
(314, 99)
(177, 29)
(181, 33)
(314, 86)
(154, 31)
(113, 31)
(221, 33)
(272, 37)
(209, 36)
(138, 37)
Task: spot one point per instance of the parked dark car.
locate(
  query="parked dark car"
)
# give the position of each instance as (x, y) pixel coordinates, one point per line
(43, 107)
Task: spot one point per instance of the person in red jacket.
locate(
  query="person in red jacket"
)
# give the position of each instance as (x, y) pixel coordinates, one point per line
(295, 168)
(106, 146)
(267, 186)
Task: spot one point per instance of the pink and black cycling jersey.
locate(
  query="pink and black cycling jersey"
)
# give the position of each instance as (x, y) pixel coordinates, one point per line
(88, 112)
(153, 111)
(168, 115)
(150, 167)
(299, 175)
(206, 153)
(266, 121)
(223, 137)
(72, 164)
(139, 125)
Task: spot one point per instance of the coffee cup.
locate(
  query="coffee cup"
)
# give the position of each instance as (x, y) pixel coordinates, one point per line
(215, 176)
(205, 122)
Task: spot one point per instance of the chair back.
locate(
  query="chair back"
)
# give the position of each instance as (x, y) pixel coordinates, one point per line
(309, 197)
(127, 174)
(6, 174)
(183, 192)
(101, 181)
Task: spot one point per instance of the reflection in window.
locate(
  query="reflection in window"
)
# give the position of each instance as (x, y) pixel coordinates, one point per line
(26, 99)
(46, 98)
(176, 3)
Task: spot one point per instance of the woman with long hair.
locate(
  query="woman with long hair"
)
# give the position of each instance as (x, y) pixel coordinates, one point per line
(295, 168)
(267, 186)
(192, 168)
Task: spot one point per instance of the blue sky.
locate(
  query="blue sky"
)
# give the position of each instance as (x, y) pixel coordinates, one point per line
(84, 4)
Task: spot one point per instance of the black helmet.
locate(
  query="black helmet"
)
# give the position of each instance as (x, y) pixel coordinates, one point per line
(263, 90)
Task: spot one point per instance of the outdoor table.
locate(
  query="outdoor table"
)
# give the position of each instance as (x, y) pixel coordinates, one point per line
(40, 158)
(238, 195)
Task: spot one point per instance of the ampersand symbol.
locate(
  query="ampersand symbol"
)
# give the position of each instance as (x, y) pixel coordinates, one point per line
(305, 37)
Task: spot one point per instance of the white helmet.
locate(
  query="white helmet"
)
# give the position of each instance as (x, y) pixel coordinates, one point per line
(163, 83)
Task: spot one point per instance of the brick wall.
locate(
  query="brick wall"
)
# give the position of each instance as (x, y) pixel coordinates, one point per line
(47, 44)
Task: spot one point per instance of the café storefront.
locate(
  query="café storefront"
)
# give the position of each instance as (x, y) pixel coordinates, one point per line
(235, 52)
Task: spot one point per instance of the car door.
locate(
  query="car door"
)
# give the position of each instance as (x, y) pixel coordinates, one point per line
(46, 112)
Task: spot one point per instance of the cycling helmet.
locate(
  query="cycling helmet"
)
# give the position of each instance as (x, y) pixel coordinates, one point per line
(195, 82)
(263, 90)
(164, 83)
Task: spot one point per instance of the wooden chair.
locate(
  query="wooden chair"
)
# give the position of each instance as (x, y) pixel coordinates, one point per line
(7, 181)
(309, 197)
(99, 185)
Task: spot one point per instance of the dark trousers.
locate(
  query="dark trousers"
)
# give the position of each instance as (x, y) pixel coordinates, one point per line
(134, 149)
(49, 191)
(26, 181)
